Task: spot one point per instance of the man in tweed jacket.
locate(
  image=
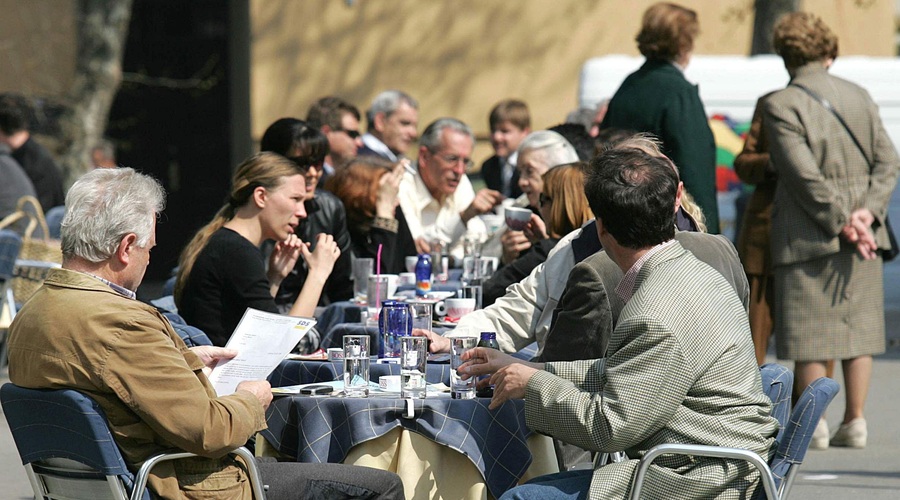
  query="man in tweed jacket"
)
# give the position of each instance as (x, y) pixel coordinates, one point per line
(680, 363)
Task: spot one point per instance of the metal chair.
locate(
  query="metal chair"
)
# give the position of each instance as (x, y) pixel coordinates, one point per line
(69, 453)
(778, 384)
(777, 476)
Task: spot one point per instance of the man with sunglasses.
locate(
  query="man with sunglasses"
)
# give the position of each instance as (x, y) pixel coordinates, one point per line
(438, 201)
(339, 121)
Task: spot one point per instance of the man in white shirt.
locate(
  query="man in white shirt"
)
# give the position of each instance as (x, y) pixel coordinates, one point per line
(438, 201)
(393, 125)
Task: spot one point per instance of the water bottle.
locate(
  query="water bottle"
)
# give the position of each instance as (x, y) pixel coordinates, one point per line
(488, 339)
(423, 275)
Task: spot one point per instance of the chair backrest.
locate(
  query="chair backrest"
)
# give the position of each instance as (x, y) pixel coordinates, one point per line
(54, 218)
(798, 432)
(778, 384)
(48, 425)
(10, 244)
(191, 335)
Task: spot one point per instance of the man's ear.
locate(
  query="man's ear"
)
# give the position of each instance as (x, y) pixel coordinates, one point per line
(380, 119)
(678, 193)
(125, 249)
(326, 129)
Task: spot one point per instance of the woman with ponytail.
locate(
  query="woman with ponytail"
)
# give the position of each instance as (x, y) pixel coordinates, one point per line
(222, 271)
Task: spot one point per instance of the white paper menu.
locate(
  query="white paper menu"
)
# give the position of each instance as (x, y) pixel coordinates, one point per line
(262, 340)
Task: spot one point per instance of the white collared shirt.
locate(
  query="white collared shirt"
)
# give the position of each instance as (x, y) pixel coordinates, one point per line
(379, 147)
(430, 219)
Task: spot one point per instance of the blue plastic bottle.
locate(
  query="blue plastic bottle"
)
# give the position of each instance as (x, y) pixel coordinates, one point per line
(423, 274)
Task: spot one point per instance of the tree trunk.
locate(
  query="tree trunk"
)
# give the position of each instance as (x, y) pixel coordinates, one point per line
(767, 14)
(102, 30)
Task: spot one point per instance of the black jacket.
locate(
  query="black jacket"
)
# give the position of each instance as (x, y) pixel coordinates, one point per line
(324, 214)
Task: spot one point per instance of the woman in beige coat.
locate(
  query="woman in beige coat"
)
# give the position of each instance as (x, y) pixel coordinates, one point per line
(828, 221)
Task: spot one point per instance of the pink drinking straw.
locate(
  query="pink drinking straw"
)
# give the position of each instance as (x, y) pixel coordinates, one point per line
(378, 274)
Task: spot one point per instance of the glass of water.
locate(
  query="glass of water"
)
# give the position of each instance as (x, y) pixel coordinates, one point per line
(412, 367)
(421, 314)
(356, 366)
(459, 388)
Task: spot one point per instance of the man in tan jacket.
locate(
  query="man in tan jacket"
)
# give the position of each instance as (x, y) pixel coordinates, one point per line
(84, 330)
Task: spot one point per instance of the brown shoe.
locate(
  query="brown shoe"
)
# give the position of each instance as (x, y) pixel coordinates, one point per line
(853, 434)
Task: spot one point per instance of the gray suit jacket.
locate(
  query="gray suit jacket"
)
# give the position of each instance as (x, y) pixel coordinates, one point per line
(589, 307)
(680, 369)
(822, 176)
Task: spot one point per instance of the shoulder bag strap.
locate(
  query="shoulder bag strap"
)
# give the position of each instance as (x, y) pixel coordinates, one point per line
(827, 105)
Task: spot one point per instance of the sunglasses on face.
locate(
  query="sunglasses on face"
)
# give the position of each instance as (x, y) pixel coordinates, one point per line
(353, 134)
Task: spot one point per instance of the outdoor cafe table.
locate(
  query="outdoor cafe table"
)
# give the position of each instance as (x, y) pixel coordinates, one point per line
(296, 372)
(449, 449)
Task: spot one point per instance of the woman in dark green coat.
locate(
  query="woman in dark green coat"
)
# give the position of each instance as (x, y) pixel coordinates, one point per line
(658, 99)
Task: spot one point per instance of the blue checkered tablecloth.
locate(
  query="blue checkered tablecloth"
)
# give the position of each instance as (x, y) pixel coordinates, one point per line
(315, 429)
(293, 372)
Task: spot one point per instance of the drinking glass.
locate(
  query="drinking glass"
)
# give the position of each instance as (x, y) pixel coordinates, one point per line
(361, 270)
(421, 314)
(356, 366)
(412, 367)
(376, 293)
(459, 388)
(472, 292)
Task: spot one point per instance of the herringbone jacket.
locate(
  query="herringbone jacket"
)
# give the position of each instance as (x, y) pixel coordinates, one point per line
(680, 369)
(822, 176)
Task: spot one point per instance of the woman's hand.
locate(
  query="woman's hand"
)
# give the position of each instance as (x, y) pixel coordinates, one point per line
(321, 261)
(388, 188)
(858, 231)
(284, 257)
(536, 230)
(514, 243)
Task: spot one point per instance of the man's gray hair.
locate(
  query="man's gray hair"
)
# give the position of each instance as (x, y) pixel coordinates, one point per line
(431, 137)
(103, 206)
(387, 102)
(554, 147)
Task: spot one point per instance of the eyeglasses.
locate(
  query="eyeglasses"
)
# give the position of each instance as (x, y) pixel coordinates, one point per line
(353, 134)
(544, 200)
(453, 160)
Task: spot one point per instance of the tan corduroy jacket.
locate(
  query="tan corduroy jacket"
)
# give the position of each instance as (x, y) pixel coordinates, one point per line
(77, 333)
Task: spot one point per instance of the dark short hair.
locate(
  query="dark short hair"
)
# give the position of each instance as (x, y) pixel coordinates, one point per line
(330, 111)
(297, 140)
(15, 113)
(633, 194)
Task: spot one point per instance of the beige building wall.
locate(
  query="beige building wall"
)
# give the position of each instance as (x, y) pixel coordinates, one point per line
(37, 46)
(460, 57)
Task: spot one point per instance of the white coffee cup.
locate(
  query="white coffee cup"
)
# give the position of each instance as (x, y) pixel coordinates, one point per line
(411, 262)
(517, 218)
(407, 279)
(457, 308)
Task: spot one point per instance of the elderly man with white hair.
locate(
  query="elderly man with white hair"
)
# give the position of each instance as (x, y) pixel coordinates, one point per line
(84, 330)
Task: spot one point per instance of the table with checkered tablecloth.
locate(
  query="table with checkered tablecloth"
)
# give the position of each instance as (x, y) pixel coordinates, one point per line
(497, 442)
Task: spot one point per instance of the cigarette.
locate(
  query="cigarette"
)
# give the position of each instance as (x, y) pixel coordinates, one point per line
(408, 166)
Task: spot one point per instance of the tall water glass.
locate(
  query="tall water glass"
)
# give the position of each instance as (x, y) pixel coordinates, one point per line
(422, 314)
(362, 268)
(459, 388)
(412, 367)
(376, 293)
(356, 366)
